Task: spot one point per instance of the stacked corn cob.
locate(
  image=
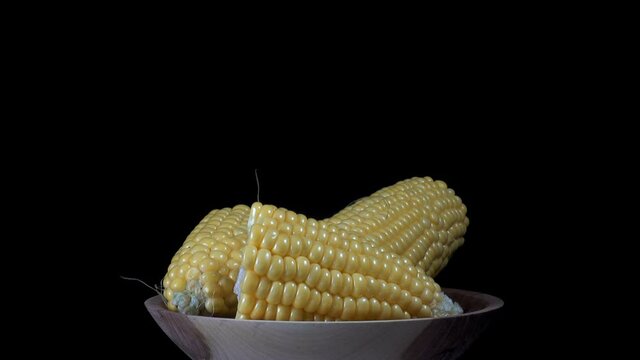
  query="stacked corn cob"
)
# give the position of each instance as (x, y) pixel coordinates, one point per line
(418, 218)
(202, 273)
(372, 260)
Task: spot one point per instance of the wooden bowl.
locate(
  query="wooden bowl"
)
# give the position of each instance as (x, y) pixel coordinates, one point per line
(203, 337)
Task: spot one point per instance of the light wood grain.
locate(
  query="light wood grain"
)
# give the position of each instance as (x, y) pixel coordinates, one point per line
(218, 338)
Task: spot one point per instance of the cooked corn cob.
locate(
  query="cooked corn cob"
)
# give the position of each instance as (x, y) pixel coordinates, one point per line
(374, 242)
(202, 273)
(418, 218)
(295, 268)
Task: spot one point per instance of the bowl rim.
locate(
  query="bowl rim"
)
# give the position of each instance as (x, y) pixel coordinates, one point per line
(492, 303)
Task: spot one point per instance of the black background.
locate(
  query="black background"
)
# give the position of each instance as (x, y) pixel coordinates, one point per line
(163, 197)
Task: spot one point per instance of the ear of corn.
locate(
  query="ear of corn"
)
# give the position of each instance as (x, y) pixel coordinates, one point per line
(336, 276)
(202, 273)
(372, 260)
(418, 218)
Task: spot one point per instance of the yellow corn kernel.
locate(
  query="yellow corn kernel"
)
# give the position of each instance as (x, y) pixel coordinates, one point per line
(313, 303)
(275, 294)
(302, 296)
(362, 308)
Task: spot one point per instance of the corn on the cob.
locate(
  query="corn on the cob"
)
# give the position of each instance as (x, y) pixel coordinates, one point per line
(295, 268)
(366, 262)
(202, 273)
(418, 218)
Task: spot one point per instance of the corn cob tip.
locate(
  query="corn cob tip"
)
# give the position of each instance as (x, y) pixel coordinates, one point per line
(446, 307)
